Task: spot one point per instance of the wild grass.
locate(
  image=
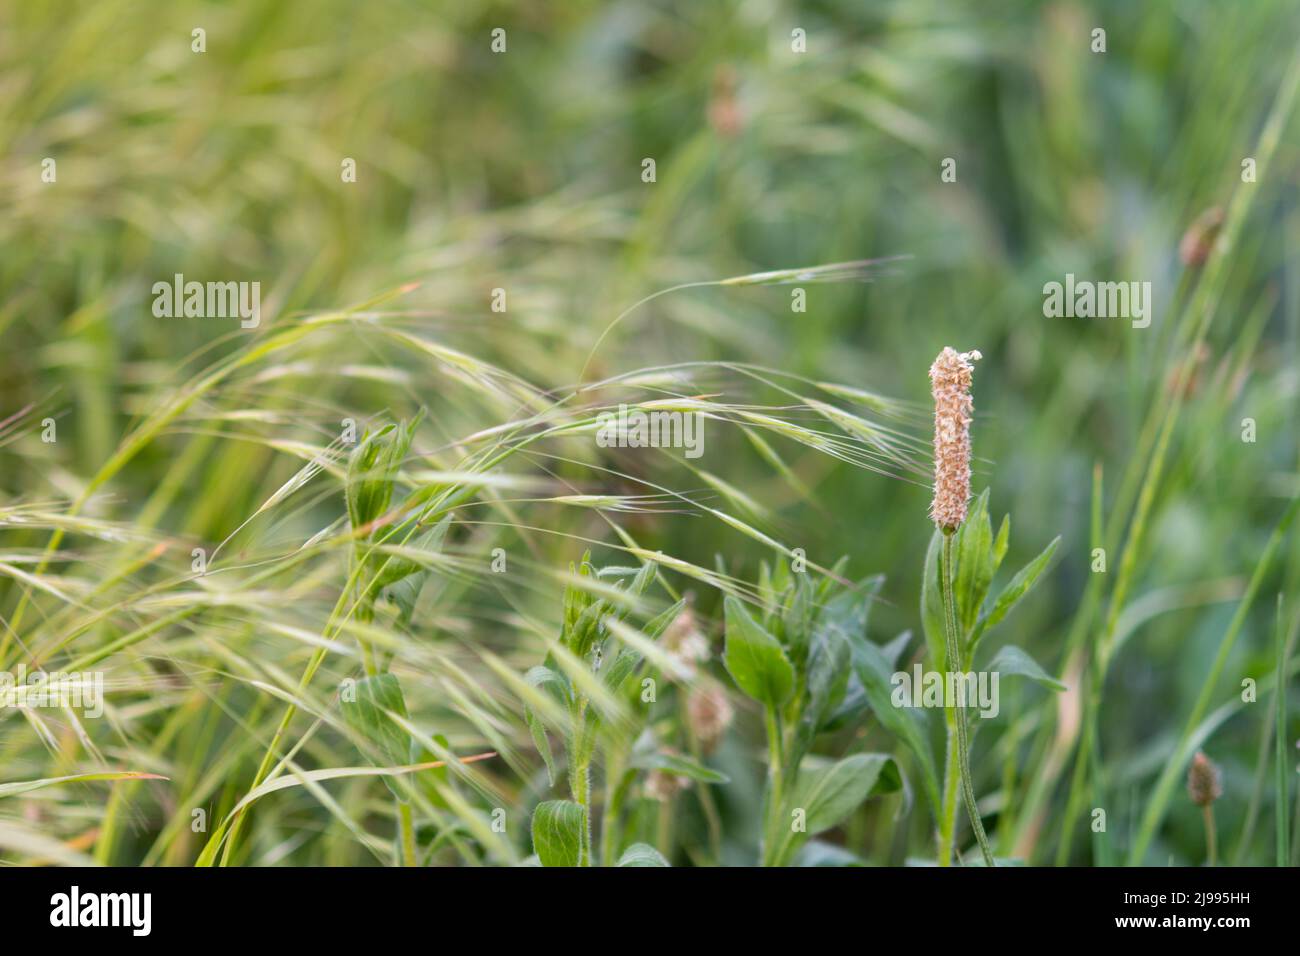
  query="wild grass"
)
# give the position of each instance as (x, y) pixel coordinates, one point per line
(399, 650)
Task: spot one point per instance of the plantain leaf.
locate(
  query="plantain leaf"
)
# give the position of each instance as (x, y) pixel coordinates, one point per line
(932, 603)
(905, 723)
(974, 571)
(827, 795)
(558, 827)
(641, 854)
(540, 676)
(821, 853)
(827, 686)
(755, 659)
(627, 660)
(368, 714)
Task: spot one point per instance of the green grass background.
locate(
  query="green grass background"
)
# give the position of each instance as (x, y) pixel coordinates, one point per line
(522, 171)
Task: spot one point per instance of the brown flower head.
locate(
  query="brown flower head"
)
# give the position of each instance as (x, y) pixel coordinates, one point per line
(1203, 784)
(950, 381)
(685, 643)
(709, 713)
(663, 786)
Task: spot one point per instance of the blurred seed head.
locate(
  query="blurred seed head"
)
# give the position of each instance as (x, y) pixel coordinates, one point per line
(663, 786)
(1185, 379)
(684, 640)
(725, 115)
(1203, 783)
(1198, 241)
(709, 714)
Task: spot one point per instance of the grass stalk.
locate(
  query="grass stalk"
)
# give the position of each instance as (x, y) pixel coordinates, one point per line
(1282, 763)
(1163, 791)
(407, 829)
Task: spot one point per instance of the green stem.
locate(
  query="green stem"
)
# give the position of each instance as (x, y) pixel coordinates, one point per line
(617, 784)
(408, 833)
(775, 772)
(1211, 841)
(580, 776)
(664, 827)
(1282, 766)
(707, 804)
(1078, 782)
(582, 794)
(948, 818)
(954, 667)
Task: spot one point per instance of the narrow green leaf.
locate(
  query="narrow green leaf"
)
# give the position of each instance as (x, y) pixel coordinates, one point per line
(678, 766)
(1001, 542)
(540, 676)
(1162, 793)
(932, 603)
(627, 659)
(1282, 768)
(1019, 586)
(1012, 660)
(26, 786)
(894, 649)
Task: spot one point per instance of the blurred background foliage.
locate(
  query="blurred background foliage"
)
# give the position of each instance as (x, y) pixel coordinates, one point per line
(523, 171)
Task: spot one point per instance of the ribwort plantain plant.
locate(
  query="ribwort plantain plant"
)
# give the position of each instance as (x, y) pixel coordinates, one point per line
(596, 683)
(960, 565)
(794, 657)
(950, 378)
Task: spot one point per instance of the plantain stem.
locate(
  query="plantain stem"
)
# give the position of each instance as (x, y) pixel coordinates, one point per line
(954, 667)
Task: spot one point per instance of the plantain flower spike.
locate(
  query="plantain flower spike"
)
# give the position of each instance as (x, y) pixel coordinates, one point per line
(950, 381)
(1203, 782)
